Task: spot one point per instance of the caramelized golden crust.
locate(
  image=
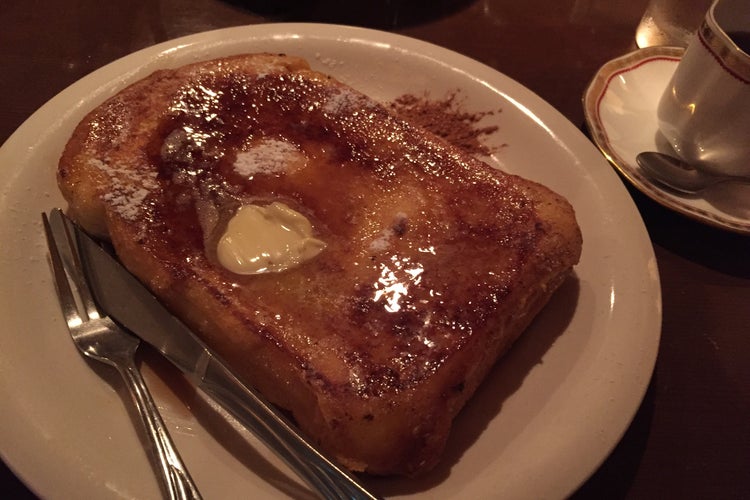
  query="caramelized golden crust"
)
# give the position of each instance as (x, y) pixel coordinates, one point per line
(435, 262)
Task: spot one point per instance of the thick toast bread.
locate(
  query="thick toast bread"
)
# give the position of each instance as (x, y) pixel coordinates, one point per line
(434, 262)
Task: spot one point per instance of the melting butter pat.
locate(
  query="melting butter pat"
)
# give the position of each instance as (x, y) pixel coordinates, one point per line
(262, 239)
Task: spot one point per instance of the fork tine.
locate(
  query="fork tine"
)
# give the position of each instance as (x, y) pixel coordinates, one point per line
(65, 242)
(64, 291)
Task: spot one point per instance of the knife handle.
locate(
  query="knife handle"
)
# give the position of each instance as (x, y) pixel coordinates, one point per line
(331, 481)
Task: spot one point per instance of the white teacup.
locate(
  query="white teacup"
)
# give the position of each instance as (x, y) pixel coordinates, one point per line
(705, 111)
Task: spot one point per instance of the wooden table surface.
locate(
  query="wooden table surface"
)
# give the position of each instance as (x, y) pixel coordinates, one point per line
(691, 435)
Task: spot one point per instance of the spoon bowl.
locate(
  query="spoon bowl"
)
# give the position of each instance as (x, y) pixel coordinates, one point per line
(680, 175)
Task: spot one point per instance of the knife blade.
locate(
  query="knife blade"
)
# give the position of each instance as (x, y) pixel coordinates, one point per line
(131, 304)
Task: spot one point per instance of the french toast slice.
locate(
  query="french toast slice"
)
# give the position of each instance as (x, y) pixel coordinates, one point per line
(434, 262)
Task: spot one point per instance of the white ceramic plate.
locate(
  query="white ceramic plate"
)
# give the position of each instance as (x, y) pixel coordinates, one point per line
(620, 107)
(545, 419)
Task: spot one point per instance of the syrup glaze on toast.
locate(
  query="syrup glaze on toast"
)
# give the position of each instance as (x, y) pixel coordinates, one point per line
(434, 262)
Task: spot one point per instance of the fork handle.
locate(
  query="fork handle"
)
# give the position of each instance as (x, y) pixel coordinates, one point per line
(172, 473)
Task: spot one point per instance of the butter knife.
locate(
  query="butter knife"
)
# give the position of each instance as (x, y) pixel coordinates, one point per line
(126, 300)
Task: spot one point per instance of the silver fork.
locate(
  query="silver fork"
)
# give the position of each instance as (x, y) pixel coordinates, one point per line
(100, 338)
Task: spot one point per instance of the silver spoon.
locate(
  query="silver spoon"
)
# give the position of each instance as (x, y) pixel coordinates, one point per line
(680, 175)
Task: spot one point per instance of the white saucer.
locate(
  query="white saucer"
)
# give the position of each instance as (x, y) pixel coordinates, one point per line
(620, 109)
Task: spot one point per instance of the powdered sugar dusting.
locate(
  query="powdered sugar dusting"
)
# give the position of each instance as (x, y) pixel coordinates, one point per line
(128, 188)
(342, 100)
(384, 241)
(328, 61)
(269, 156)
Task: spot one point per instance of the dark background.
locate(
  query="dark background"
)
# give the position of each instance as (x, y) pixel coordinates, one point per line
(691, 435)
